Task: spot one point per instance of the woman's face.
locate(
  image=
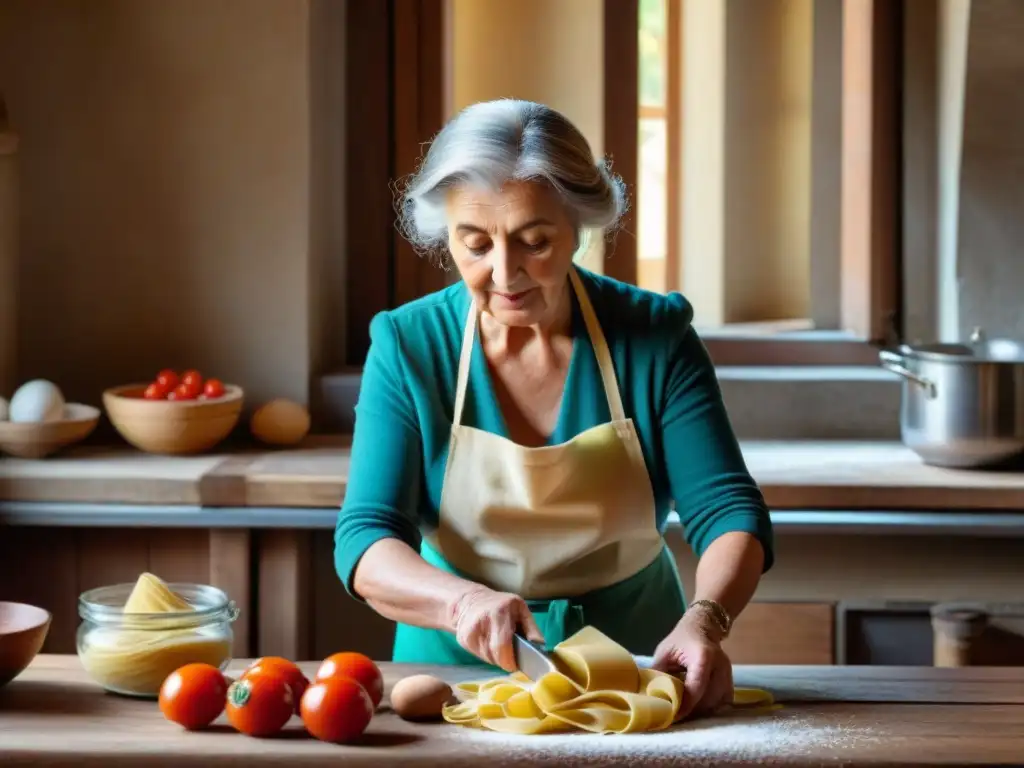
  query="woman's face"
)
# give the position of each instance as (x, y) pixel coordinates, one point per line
(513, 249)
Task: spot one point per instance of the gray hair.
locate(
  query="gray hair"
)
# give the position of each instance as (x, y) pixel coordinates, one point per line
(493, 142)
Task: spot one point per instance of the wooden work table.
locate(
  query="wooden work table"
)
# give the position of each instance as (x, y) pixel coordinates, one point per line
(792, 474)
(53, 715)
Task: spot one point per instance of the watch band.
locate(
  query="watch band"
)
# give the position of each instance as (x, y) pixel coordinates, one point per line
(719, 615)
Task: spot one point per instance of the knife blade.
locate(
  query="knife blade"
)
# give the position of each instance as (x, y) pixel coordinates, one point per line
(535, 662)
(531, 659)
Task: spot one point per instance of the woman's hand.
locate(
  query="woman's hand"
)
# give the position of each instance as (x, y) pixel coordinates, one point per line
(485, 620)
(693, 650)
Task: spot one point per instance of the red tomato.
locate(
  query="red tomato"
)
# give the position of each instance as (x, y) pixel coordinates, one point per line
(337, 709)
(213, 388)
(167, 378)
(193, 696)
(193, 379)
(184, 392)
(356, 666)
(155, 391)
(275, 665)
(259, 705)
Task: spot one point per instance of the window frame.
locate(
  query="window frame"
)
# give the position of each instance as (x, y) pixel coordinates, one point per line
(869, 229)
(397, 72)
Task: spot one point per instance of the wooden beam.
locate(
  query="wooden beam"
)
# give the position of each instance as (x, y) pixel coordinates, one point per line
(871, 167)
(419, 112)
(674, 150)
(621, 123)
(369, 240)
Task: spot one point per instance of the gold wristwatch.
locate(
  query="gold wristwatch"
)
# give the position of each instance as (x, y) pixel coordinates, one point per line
(719, 615)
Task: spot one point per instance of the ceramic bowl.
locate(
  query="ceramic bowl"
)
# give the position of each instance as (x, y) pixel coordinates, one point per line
(23, 630)
(172, 426)
(36, 440)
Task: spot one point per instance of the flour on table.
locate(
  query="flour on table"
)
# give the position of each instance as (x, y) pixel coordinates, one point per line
(733, 738)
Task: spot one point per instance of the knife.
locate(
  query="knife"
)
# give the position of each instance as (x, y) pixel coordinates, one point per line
(535, 662)
(531, 659)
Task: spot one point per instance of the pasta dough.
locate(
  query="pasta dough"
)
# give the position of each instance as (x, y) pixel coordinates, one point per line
(152, 595)
(135, 657)
(599, 689)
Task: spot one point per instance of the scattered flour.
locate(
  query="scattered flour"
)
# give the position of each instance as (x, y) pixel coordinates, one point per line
(734, 739)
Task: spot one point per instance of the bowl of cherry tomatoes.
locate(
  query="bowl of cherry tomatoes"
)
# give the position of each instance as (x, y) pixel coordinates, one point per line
(175, 413)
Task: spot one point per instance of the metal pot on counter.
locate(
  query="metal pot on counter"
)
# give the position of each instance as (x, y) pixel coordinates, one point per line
(963, 404)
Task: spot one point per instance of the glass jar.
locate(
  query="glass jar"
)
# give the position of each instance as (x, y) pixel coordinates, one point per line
(133, 653)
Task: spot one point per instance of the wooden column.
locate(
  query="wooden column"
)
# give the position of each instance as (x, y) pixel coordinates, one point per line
(871, 165)
(284, 593)
(230, 566)
(8, 251)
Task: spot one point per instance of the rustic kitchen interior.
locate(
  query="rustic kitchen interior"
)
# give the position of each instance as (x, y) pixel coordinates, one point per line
(208, 185)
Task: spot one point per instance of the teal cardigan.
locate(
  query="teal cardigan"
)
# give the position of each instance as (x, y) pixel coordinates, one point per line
(668, 385)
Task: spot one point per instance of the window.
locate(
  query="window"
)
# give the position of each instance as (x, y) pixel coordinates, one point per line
(768, 162)
(712, 112)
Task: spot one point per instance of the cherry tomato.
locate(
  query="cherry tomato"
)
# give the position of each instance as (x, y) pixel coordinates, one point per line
(213, 388)
(193, 379)
(275, 665)
(184, 392)
(167, 378)
(259, 705)
(337, 709)
(356, 666)
(155, 391)
(193, 696)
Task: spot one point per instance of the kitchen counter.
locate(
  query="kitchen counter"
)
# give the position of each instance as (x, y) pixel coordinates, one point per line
(792, 474)
(54, 716)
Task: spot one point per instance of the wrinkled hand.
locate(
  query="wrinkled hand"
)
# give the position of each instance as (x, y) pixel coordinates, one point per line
(693, 651)
(485, 620)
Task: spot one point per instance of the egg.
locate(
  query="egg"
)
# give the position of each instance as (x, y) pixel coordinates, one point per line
(280, 422)
(37, 401)
(3, 409)
(420, 697)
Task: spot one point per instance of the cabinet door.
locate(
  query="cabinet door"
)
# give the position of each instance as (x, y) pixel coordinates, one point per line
(783, 633)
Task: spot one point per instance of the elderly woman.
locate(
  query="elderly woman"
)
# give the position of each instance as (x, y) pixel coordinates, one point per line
(521, 435)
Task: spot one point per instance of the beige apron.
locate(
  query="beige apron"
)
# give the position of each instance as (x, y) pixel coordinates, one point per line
(554, 521)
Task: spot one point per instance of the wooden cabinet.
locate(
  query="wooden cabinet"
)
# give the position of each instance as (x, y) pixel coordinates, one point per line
(783, 633)
(51, 567)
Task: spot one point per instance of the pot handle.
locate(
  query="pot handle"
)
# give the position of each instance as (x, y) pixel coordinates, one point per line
(892, 361)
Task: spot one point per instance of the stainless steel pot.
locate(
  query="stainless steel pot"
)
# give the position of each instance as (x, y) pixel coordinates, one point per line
(963, 404)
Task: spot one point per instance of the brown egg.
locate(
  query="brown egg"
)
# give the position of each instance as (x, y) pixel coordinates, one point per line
(280, 422)
(420, 697)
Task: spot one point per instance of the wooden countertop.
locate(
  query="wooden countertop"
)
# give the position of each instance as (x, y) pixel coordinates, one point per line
(793, 475)
(54, 716)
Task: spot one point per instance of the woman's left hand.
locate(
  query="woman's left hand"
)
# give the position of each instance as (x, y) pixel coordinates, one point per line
(693, 651)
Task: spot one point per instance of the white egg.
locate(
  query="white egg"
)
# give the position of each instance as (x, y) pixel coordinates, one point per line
(3, 409)
(36, 401)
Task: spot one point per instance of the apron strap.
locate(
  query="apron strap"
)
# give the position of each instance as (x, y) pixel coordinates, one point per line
(462, 379)
(604, 357)
(597, 340)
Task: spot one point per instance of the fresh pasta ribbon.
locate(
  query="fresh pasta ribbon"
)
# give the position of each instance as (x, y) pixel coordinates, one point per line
(599, 689)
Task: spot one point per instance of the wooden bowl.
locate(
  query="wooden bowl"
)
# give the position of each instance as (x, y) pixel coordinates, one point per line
(23, 630)
(174, 427)
(36, 440)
